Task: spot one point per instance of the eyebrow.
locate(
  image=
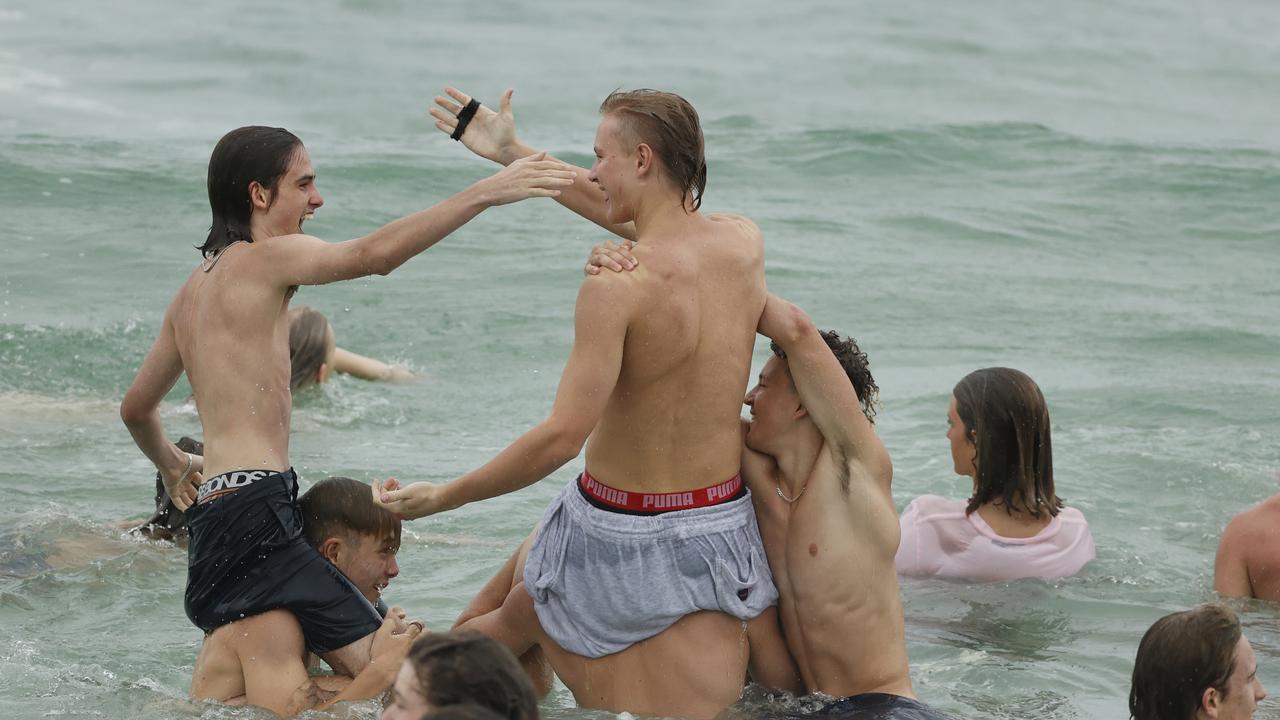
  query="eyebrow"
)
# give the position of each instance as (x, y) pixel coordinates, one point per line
(307, 178)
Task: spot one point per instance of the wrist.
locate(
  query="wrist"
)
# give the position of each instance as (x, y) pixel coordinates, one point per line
(514, 152)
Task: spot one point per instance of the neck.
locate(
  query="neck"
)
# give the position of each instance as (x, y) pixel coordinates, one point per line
(259, 230)
(796, 460)
(661, 214)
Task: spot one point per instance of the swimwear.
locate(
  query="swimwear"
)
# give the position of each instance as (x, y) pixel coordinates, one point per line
(604, 577)
(875, 706)
(939, 539)
(248, 555)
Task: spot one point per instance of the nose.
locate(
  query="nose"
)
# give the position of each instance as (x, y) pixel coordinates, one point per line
(393, 568)
(316, 199)
(591, 174)
(750, 399)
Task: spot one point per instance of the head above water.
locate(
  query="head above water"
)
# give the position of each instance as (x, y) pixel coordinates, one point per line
(776, 411)
(668, 126)
(1003, 441)
(246, 161)
(457, 667)
(311, 347)
(1195, 664)
(341, 521)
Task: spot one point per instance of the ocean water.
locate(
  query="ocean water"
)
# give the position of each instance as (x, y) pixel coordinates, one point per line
(1085, 191)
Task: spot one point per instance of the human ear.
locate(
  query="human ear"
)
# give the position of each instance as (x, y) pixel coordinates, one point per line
(1209, 701)
(259, 196)
(331, 549)
(644, 158)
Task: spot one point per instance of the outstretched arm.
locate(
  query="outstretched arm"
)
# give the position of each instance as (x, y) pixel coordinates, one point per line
(306, 260)
(824, 388)
(140, 412)
(492, 135)
(600, 329)
(367, 368)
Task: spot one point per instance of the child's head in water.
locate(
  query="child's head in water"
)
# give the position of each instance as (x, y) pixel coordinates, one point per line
(312, 346)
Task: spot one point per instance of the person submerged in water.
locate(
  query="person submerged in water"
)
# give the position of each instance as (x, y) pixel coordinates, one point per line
(460, 668)
(314, 354)
(263, 661)
(1248, 560)
(227, 329)
(646, 583)
(1014, 525)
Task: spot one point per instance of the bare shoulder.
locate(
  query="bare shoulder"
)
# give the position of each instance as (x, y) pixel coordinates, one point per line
(1260, 522)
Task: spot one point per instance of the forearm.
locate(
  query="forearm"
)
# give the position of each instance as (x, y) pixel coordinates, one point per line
(148, 434)
(391, 245)
(371, 681)
(584, 198)
(535, 455)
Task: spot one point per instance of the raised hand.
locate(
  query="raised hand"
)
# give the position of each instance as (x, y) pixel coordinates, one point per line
(417, 500)
(491, 135)
(611, 255)
(392, 641)
(532, 176)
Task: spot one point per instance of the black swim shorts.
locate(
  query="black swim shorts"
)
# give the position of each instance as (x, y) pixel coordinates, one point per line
(876, 706)
(248, 555)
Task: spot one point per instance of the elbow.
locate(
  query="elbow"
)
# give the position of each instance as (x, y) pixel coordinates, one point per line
(795, 326)
(565, 442)
(133, 413)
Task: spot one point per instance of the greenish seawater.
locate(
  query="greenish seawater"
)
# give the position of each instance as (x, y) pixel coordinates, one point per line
(1086, 191)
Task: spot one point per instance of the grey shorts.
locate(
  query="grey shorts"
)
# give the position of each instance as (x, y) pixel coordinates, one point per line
(602, 581)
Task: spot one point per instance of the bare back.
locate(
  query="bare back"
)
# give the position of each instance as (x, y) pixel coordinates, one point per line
(672, 421)
(231, 328)
(1248, 562)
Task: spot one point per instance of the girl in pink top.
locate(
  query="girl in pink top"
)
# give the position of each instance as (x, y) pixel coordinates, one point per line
(1014, 525)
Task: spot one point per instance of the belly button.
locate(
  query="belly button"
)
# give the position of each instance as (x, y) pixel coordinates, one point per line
(813, 549)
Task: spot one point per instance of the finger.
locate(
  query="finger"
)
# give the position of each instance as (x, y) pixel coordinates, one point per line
(416, 628)
(504, 106)
(197, 479)
(458, 95)
(446, 106)
(444, 117)
(392, 484)
(591, 269)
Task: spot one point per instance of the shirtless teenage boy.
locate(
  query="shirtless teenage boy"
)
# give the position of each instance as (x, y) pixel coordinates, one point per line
(227, 327)
(262, 661)
(643, 570)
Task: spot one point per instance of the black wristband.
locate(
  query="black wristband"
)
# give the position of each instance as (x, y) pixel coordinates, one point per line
(464, 118)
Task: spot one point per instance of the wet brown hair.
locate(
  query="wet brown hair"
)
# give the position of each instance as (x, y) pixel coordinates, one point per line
(340, 506)
(245, 155)
(463, 666)
(1005, 415)
(855, 365)
(669, 125)
(1180, 657)
(308, 345)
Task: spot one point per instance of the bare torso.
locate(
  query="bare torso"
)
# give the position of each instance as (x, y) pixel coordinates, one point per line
(672, 421)
(831, 553)
(232, 332)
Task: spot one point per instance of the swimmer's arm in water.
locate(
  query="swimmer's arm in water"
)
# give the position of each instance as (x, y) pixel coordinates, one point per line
(600, 329)
(140, 411)
(825, 390)
(492, 135)
(306, 260)
(367, 368)
(770, 663)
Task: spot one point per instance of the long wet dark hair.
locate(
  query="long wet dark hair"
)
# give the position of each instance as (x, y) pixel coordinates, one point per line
(243, 156)
(1005, 415)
